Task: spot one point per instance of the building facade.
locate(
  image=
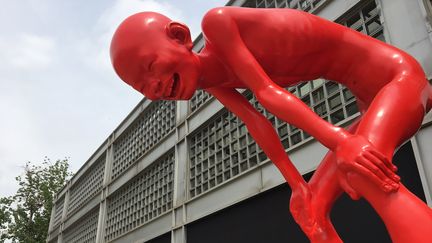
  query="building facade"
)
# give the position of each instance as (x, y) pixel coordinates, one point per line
(189, 171)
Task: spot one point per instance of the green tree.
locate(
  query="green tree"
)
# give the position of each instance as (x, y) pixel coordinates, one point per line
(5, 217)
(27, 213)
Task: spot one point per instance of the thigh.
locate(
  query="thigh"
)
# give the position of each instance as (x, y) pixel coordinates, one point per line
(395, 114)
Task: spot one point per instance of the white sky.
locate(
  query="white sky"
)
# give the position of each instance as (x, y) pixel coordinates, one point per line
(59, 96)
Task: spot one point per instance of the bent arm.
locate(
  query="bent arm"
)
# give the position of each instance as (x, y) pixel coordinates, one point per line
(232, 50)
(262, 131)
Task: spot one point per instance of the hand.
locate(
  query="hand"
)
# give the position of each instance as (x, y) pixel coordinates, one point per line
(310, 216)
(300, 207)
(357, 155)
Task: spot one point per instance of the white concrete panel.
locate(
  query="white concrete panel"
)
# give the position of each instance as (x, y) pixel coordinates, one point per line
(308, 156)
(271, 176)
(334, 9)
(206, 112)
(230, 193)
(424, 143)
(151, 230)
(407, 30)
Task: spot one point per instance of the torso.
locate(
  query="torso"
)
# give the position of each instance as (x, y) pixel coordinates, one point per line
(293, 46)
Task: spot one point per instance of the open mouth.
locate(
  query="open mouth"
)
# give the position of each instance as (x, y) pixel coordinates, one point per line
(174, 85)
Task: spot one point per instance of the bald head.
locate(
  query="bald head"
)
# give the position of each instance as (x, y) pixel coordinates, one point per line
(134, 32)
(149, 50)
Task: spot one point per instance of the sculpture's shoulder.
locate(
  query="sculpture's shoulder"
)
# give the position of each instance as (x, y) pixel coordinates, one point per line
(220, 12)
(217, 18)
(219, 22)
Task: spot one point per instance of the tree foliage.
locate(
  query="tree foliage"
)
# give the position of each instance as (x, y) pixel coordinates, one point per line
(25, 216)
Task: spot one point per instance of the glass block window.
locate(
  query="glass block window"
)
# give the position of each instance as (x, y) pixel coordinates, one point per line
(331, 101)
(222, 149)
(58, 212)
(304, 5)
(84, 231)
(198, 100)
(145, 197)
(155, 122)
(87, 186)
(367, 21)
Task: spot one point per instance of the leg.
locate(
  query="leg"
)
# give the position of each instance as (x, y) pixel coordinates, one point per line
(393, 117)
(311, 209)
(382, 132)
(311, 202)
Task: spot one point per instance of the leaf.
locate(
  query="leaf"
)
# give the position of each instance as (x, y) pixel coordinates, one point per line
(25, 216)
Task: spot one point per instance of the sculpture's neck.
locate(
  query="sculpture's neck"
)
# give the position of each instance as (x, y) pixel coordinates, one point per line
(213, 71)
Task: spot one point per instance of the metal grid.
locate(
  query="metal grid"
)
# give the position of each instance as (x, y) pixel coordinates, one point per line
(156, 121)
(87, 186)
(222, 148)
(304, 5)
(85, 230)
(198, 100)
(145, 197)
(366, 20)
(58, 212)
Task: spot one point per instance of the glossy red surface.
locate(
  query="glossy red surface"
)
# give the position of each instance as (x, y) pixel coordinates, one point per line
(265, 50)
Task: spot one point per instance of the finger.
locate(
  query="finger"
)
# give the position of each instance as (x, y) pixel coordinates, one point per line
(379, 163)
(359, 168)
(374, 169)
(384, 159)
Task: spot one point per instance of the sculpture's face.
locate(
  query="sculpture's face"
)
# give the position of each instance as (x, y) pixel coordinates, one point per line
(153, 55)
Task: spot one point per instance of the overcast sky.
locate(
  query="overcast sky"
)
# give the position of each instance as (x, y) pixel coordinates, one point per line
(59, 96)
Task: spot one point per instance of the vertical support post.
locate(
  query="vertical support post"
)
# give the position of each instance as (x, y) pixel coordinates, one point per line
(100, 232)
(180, 171)
(180, 174)
(66, 203)
(178, 235)
(414, 38)
(64, 213)
(421, 165)
(50, 227)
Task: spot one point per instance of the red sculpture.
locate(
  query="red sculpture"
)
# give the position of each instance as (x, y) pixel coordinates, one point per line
(265, 50)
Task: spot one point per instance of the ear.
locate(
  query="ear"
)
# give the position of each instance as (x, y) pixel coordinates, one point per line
(179, 32)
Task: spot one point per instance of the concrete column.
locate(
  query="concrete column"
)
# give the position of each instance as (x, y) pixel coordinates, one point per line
(182, 111)
(60, 238)
(407, 29)
(109, 159)
(423, 154)
(100, 233)
(180, 172)
(50, 227)
(178, 235)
